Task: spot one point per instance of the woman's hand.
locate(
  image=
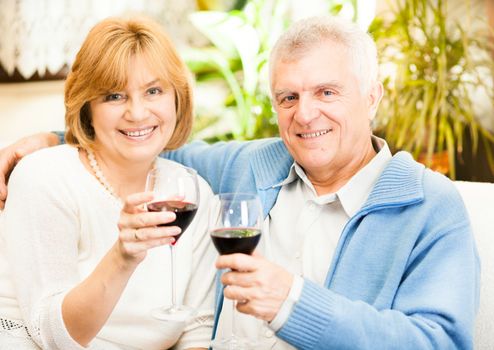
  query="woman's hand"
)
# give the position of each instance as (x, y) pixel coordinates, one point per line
(139, 230)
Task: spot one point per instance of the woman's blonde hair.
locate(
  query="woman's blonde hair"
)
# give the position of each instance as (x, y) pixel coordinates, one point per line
(101, 66)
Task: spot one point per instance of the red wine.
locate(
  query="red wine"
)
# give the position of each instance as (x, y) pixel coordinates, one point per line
(236, 240)
(184, 211)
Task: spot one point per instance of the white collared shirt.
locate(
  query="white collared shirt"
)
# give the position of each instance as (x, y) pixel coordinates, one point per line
(301, 233)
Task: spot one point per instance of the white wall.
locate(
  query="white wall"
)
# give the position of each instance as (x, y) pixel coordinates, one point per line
(27, 108)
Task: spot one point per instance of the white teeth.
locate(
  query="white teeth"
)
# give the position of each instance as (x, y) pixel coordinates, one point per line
(138, 133)
(314, 134)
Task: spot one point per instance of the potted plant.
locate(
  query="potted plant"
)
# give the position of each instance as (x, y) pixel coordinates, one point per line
(430, 67)
(237, 60)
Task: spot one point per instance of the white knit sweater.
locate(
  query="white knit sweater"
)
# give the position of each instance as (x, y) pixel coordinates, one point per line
(58, 223)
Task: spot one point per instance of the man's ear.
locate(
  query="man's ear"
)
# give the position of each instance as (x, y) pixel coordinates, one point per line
(375, 95)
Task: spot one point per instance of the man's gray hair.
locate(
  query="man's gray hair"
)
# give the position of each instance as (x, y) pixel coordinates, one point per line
(306, 33)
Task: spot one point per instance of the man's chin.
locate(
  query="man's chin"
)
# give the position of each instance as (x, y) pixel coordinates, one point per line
(315, 161)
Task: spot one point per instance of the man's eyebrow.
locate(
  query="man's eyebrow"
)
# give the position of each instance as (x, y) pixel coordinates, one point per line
(330, 84)
(326, 85)
(281, 92)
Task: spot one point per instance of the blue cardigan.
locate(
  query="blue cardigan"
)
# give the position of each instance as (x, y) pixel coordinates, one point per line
(405, 273)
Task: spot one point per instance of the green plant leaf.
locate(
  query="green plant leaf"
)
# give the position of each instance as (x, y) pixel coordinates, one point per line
(232, 35)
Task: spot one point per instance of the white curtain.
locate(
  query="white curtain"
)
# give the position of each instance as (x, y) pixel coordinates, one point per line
(44, 35)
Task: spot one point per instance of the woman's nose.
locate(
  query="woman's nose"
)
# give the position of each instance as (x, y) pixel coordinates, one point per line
(137, 110)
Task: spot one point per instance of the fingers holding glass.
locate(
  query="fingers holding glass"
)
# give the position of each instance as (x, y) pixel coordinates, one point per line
(151, 234)
(141, 230)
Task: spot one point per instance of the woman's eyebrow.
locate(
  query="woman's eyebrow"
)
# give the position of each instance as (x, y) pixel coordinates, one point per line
(150, 83)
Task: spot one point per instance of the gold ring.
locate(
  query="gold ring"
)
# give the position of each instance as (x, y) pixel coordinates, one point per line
(135, 235)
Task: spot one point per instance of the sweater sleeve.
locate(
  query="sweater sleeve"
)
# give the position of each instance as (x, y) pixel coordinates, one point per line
(433, 307)
(61, 136)
(200, 290)
(210, 161)
(40, 230)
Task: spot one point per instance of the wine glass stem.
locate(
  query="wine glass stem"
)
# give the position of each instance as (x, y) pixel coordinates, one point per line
(172, 262)
(234, 323)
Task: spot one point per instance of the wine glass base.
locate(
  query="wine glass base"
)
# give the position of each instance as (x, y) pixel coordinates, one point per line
(232, 343)
(177, 313)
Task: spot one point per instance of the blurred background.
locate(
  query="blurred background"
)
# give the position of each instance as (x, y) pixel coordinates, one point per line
(436, 65)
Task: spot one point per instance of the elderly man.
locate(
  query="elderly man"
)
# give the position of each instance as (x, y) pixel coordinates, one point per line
(360, 249)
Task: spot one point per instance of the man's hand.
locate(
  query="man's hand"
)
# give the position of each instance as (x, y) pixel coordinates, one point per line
(10, 155)
(259, 286)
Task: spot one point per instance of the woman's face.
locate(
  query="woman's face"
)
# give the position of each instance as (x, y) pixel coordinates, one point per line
(135, 124)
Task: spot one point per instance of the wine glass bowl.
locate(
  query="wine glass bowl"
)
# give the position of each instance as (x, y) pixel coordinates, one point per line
(184, 211)
(175, 190)
(236, 240)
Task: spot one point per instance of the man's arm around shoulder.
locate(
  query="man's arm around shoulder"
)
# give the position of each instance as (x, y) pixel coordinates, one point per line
(10, 155)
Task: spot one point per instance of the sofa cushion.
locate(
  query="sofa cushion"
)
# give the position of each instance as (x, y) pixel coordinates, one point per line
(479, 201)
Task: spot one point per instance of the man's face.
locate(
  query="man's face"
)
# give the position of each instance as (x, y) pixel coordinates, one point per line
(323, 115)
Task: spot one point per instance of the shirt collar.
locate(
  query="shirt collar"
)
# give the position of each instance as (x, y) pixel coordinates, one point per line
(293, 174)
(355, 192)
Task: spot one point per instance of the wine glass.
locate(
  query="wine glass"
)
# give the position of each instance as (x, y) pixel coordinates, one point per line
(175, 190)
(235, 223)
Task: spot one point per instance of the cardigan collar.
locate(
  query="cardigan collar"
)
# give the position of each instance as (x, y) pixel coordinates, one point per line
(271, 164)
(399, 184)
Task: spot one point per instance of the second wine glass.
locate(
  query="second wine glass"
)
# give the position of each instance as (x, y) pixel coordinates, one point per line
(235, 224)
(175, 190)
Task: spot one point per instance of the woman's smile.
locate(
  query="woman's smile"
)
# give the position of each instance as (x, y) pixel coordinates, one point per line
(138, 134)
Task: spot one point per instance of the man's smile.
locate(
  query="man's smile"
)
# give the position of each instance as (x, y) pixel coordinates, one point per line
(313, 134)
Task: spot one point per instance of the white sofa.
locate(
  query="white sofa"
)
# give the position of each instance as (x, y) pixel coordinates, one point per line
(479, 200)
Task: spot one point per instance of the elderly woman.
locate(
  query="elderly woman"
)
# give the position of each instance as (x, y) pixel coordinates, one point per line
(76, 266)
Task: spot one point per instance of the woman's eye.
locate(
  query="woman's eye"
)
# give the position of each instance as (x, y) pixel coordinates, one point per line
(113, 97)
(154, 91)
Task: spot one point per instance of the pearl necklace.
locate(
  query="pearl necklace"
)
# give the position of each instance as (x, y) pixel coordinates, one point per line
(101, 178)
(99, 175)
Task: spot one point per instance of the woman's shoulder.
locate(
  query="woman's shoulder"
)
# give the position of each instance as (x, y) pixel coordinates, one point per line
(43, 176)
(46, 161)
(51, 155)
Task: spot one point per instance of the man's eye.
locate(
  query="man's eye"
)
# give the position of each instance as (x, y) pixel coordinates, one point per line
(328, 93)
(113, 97)
(287, 101)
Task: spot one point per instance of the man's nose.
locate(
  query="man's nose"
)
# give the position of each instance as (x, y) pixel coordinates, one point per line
(136, 109)
(306, 110)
